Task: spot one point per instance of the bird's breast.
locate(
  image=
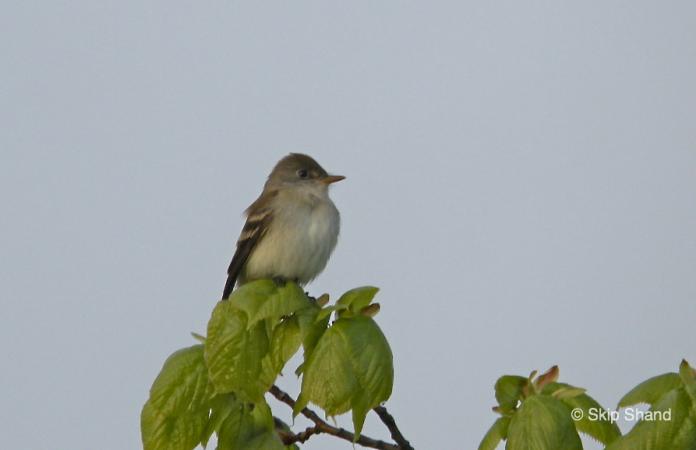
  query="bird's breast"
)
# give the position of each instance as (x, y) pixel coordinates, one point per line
(298, 243)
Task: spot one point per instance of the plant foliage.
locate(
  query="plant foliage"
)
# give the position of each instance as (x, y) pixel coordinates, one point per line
(539, 413)
(218, 387)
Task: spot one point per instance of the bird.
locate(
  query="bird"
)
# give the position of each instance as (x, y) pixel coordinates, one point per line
(291, 229)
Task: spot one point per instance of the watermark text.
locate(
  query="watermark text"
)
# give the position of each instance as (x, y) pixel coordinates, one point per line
(627, 414)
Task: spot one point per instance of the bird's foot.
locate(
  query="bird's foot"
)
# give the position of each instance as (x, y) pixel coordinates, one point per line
(279, 281)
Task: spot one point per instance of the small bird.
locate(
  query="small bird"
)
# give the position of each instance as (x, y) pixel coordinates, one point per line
(291, 229)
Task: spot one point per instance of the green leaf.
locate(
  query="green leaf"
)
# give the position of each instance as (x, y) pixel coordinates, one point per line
(160, 431)
(599, 428)
(350, 368)
(234, 351)
(182, 384)
(198, 337)
(175, 415)
(687, 373)
(358, 298)
(508, 391)
(672, 425)
(264, 299)
(542, 423)
(266, 441)
(243, 424)
(568, 392)
(221, 407)
(496, 433)
(325, 312)
(688, 377)
(311, 329)
(311, 326)
(285, 342)
(360, 406)
(229, 431)
(650, 390)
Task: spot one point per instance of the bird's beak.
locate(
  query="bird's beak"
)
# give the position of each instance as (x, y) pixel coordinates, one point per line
(332, 179)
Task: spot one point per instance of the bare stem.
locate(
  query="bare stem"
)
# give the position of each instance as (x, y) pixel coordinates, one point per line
(389, 421)
(321, 426)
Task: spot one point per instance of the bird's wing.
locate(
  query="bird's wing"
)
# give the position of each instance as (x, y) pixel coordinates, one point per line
(259, 217)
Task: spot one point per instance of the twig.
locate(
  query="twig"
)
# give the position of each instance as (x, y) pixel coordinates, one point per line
(288, 437)
(323, 427)
(389, 421)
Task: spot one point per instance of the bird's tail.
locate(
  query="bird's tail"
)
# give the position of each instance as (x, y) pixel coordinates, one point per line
(229, 285)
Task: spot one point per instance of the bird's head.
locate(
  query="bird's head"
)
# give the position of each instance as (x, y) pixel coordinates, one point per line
(302, 172)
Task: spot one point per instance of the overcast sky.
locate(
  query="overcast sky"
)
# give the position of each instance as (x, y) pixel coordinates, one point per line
(521, 184)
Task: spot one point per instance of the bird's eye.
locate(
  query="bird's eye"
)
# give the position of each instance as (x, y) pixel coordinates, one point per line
(302, 173)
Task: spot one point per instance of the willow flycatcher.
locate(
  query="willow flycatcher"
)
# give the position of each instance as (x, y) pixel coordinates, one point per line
(291, 229)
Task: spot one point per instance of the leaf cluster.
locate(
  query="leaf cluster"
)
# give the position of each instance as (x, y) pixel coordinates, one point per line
(218, 387)
(539, 413)
(673, 392)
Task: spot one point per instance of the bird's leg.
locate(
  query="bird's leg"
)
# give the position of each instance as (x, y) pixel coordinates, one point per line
(279, 281)
(311, 299)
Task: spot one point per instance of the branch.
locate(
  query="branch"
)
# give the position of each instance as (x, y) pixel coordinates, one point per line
(389, 421)
(323, 427)
(288, 437)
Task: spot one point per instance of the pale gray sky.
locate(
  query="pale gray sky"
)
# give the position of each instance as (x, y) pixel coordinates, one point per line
(521, 185)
